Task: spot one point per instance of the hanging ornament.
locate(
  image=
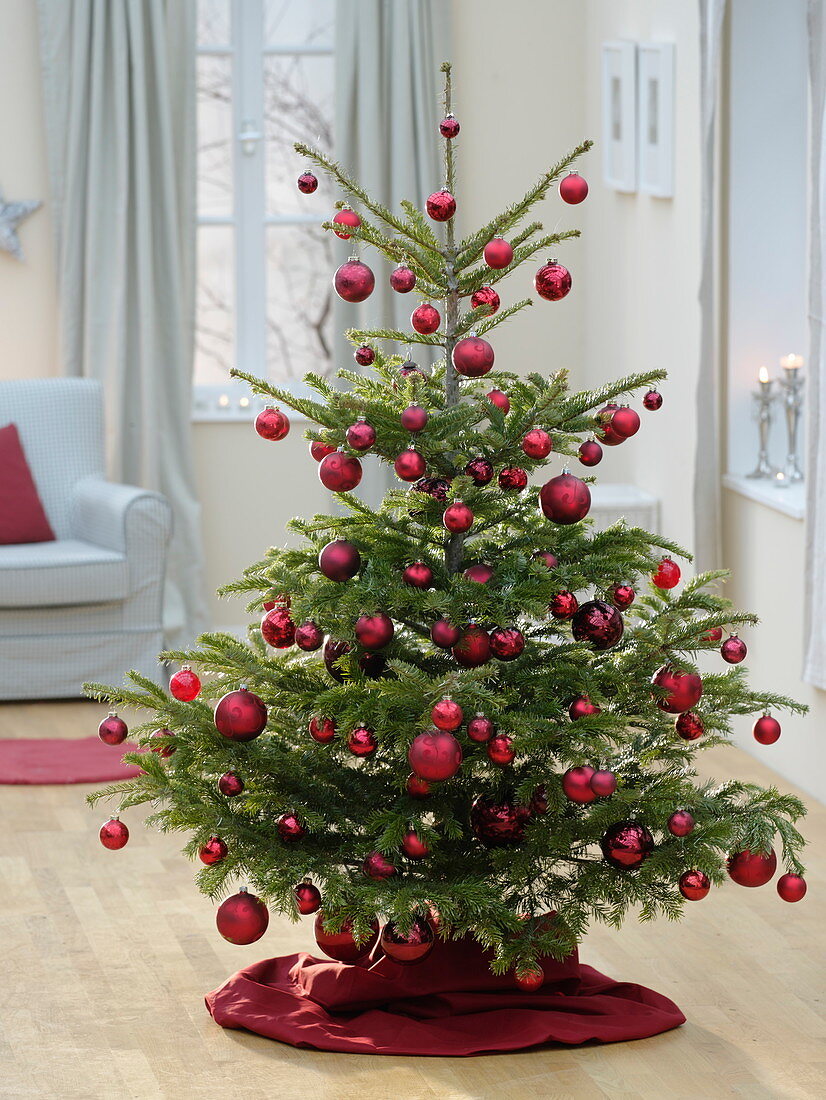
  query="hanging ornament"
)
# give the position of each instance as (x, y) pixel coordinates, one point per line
(501, 750)
(272, 424)
(733, 650)
(411, 372)
(378, 866)
(507, 643)
(513, 479)
(364, 355)
(361, 436)
(500, 400)
(457, 518)
(590, 453)
(230, 785)
(667, 575)
(339, 560)
(480, 471)
(414, 418)
(766, 730)
(346, 217)
(418, 575)
(307, 898)
(622, 596)
(529, 980)
(576, 784)
(435, 755)
(684, 689)
(713, 635)
(339, 472)
(417, 787)
(362, 742)
(444, 634)
(573, 188)
(694, 885)
(411, 947)
(309, 636)
(446, 715)
(402, 279)
(322, 730)
(539, 801)
(449, 127)
(167, 748)
(242, 918)
(480, 573)
(307, 183)
(425, 318)
(441, 205)
(626, 845)
(342, 945)
(319, 449)
(472, 648)
(565, 499)
(752, 868)
(653, 400)
(278, 629)
(113, 730)
(290, 828)
(185, 685)
(582, 707)
(551, 560)
(354, 281)
(485, 298)
(240, 715)
(436, 487)
(552, 281)
(498, 253)
(563, 605)
(213, 851)
(410, 465)
(681, 823)
(690, 726)
(603, 783)
(374, 631)
(480, 729)
(334, 649)
(472, 357)
(625, 422)
(791, 887)
(113, 834)
(498, 824)
(413, 846)
(537, 443)
(599, 623)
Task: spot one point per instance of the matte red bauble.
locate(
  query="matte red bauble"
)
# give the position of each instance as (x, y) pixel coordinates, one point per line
(243, 918)
(590, 453)
(714, 634)
(766, 730)
(417, 787)
(573, 188)
(346, 217)
(480, 573)
(529, 980)
(551, 560)
(339, 472)
(694, 885)
(498, 253)
(444, 634)
(690, 726)
(166, 749)
(278, 629)
(480, 471)
(625, 422)
(440, 206)
(603, 783)
(411, 372)
(622, 596)
(307, 898)
(582, 707)
(449, 126)
(319, 449)
(626, 845)
(364, 355)
(378, 866)
(230, 785)
(240, 715)
(113, 834)
(752, 868)
(411, 947)
(498, 824)
(473, 357)
(361, 436)
(501, 750)
(563, 605)
(667, 575)
(480, 729)
(435, 755)
(487, 298)
(681, 823)
(334, 650)
(113, 730)
(653, 400)
(354, 281)
(457, 517)
(272, 424)
(599, 623)
(576, 784)
(537, 443)
(339, 560)
(185, 685)
(402, 279)
(472, 648)
(414, 418)
(506, 643)
(733, 650)
(362, 742)
(447, 715)
(418, 575)
(513, 479)
(321, 729)
(791, 887)
(684, 689)
(552, 281)
(410, 465)
(413, 846)
(341, 945)
(374, 631)
(565, 499)
(309, 636)
(290, 828)
(213, 851)
(425, 318)
(500, 400)
(307, 183)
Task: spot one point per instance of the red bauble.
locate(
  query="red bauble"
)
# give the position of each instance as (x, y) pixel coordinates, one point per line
(625, 422)
(576, 784)
(418, 575)
(307, 898)
(485, 297)
(185, 685)
(322, 730)
(681, 823)
(361, 436)
(552, 281)
(622, 596)
(626, 845)
(414, 418)
(539, 801)
(608, 434)
(752, 868)
(425, 318)
(653, 400)
(290, 828)
(354, 281)
(213, 851)
(480, 471)
(364, 355)
(480, 573)
(339, 560)
(411, 947)
(346, 217)
(473, 357)
(444, 634)
(573, 188)
(436, 487)
(565, 499)
(501, 750)
(498, 825)
(362, 742)
(766, 730)
(582, 707)
(590, 453)
(714, 634)
(374, 631)
(417, 787)
(413, 846)
(733, 650)
(243, 918)
(457, 517)
(791, 887)
(230, 785)
(307, 183)
(667, 575)
(500, 400)
(603, 783)
(472, 648)
(339, 472)
(341, 945)
(272, 424)
(530, 980)
(684, 689)
(435, 755)
(240, 715)
(447, 715)
(480, 729)
(113, 730)
(551, 560)
(498, 253)
(309, 636)
(513, 479)
(402, 279)
(411, 372)
(378, 866)
(690, 726)
(694, 885)
(563, 605)
(449, 126)
(537, 443)
(278, 629)
(507, 643)
(410, 465)
(334, 649)
(599, 623)
(167, 749)
(319, 449)
(113, 834)
(441, 206)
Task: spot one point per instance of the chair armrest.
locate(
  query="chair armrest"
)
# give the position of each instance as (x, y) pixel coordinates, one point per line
(112, 516)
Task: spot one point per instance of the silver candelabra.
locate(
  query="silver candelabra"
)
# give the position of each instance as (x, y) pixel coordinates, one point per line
(793, 402)
(764, 397)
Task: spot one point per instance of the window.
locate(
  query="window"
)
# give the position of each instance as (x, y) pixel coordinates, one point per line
(264, 299)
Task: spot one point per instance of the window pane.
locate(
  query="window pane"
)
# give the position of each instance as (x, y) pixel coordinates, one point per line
(298, 106)
(299, 22)
(215, 315)
(299, 301)
(214, 136)
(213, 22)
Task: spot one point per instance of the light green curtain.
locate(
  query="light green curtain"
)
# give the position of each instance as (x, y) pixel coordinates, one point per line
(119, 102)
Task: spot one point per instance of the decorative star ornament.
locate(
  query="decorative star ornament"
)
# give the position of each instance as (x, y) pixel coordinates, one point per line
(11, 215)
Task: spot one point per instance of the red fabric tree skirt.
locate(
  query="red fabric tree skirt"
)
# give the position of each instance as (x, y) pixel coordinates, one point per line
(51, 760)
(450, 1004)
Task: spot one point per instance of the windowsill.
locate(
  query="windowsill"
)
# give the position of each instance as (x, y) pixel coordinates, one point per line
(790, 502)
(234, 404)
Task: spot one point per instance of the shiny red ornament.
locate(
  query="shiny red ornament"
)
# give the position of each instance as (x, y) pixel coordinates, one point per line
(791, 887)
(573, 188)
(667, 575)
(339, 472)
(444, 634)
(185, 685)
(290, 828)
(565, 499)
(603, 783)
(622, 596)
(498, 253)
(362, 742)
(410, 465)
(480, 729)
(473, 357)
(684, 689)
(346, 217)
(457, 517)
(272, 424)
(411, 947)
(539, 801)
(113, 730)
(213, 851)
(307, 898)
(374, 631)
(322, 730)
(354, 281)
(766, 730)
(378, 866)
(576, 784)
(694, 885)
(563, 605)
(599, 623)
(653, 400)
(590, 453)
(625, 422)
(552, 281)
(230, 785)
(513, 479)
(334, 649)
(361, 436)
(240, 715)
(626, 845)
(413, 846)
(690, 726)
(472, 648)
(242, 918)
(435, 755)
(537, 443)
(447, 715)
(582, 707)
(320, 450)
(608, 434)
(339, 560)
(449, 126)
(411, 372)
(278, 629)
(113, 834)
(166, 749)
(418, 575)
(417, 787)
(507, 643)
(480, 471)
(479, 572)
(372, 665)
(414, 418)
(309, 636)
(733, 650)
(440, 206)
(364, 355)
(752, 868)
(551, 560)
(402, 279)
(425, 318)
(342, 945)
(714, 634)
(436, 487)
(498, 824)
(501, 750)
(307, 183)
(485, 297)
(681, 823)
(500, 400)
(529, 980)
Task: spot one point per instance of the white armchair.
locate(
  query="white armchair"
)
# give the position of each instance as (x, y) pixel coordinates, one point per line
(87, 606)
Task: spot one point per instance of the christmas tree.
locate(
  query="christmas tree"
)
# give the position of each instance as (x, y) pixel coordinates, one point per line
(464, 706)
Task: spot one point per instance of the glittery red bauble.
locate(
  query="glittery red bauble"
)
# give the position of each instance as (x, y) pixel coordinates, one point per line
(590, 453)
(480, 471)
(498, 253)
(599, 623)
(322, 730)
(485, 296)
(603, 783)
(425, 318)
(690, 726)
(498, 825)
(436, 487)
(410, 465)
(479, 573)
(441, 206)
(766, 730)
(565, 499)
(374, 631)
(563, 605)
(354, 281)
(414, 847)
(339, 472)
(307, 183)
(752, 868)
(213, 851)
(307, 898)
(622, 596)
(411, 947)
(417, 787)
(653, 400)
(576, 784)
(113, 730)
(472, 648)
(551, 560)
(458, 517)
(513, 479)
(733, 650)
(480, 729)
(501, 750)
(667, 574)
(185, 685)
(334, 649)
(346, 217)
(435, 755)
(573, 188)
(714, 634)
(362, 742)
(290, 828)
(418, 575)
(364, 355)
(414, 418)
(378, 866)
(402, 279)
(240, 715)
(694, 885)
(278, 629)
(444, 634)
(507, 643)
(791, 887)
(272, 424)
(552, 281)
(319, 449)
(449, 126)
(537, 443)
(582, 707)
(684, 689)
(626, 845)
(447, 715)
(361, 436)
(339, 560)
(309, 636)
(166, 749)
(113, 834)
(680, 823)
(230, 784)
(500, 400)
(625, 422)
(473, 357)
(341, 945)
(530, 980)
(242, 919)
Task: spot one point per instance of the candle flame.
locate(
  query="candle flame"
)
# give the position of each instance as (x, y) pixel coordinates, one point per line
(763, 374)
(791, 361)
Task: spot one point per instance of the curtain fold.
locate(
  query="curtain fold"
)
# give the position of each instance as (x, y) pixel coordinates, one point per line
(119, 102)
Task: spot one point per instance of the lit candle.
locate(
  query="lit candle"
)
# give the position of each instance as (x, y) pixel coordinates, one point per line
(763, 379)
(791, 361)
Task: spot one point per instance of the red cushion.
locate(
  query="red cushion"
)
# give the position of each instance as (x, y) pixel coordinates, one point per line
(22, 518)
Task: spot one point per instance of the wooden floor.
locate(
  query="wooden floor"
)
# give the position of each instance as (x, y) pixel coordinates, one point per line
(105, 958)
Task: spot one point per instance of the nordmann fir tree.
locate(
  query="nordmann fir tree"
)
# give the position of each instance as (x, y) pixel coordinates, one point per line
(499, 722)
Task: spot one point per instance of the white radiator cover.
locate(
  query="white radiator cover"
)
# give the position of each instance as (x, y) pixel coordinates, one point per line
(610, 502)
